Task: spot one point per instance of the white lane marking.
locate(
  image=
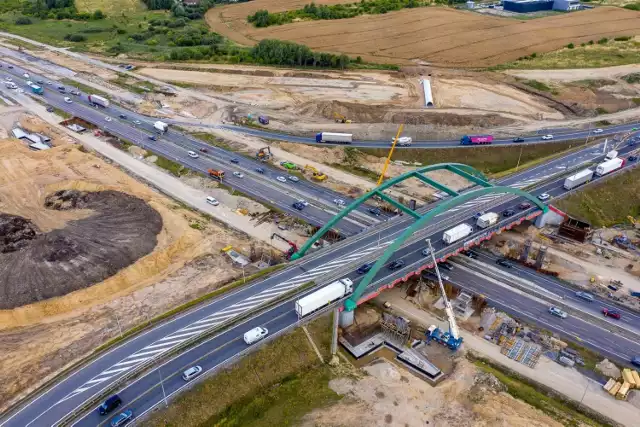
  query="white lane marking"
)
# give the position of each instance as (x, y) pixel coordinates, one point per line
(164, 344)
(136, 360)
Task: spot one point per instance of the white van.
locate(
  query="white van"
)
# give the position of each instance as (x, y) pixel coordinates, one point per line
(255, 335)
(212, 201)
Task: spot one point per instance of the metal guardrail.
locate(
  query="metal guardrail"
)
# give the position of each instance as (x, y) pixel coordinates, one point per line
(119, 382)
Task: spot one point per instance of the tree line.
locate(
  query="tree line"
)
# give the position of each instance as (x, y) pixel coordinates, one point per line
(262, 18)
(55, 9)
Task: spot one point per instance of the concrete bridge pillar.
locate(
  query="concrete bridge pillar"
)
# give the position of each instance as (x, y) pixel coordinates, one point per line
(346, 318)
(553, 216)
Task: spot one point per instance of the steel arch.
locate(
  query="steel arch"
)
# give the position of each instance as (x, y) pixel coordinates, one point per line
(460, 169)
(352, 301)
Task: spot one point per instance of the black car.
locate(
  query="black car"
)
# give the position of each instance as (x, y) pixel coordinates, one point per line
(50, 109)
(375, 211)
(235, 160)
(298, 206)
(40, 82)
(123, 116)
(153, 137)
(524, 205)
(504, 263)
(518, 139)
(470, 254)
(633, 158)
(260, 170)
(508, 213)
(395, 265)
(364, 268)
(446, 265)
(109, 405)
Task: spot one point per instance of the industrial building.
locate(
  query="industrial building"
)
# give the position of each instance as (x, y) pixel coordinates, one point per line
(527, 6)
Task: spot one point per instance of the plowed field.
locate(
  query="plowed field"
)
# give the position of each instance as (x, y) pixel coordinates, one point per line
(434, 35)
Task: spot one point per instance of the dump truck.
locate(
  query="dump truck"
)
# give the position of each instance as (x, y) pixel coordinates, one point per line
(36, 89)
(476, 139)
(323, 297)
(456, 233)
(487, 220)
(98, 100)
(338, 138)
(161, 126)
(215, 173)
(609, 166)
(578, 179)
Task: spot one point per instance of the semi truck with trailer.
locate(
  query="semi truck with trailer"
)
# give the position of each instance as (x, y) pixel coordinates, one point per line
(476, 140)
(98, 100)
(609, 166)
(161, 126)
(578, 179)
(487, 220)
(456, 233)
(338, 138)
(323, 297)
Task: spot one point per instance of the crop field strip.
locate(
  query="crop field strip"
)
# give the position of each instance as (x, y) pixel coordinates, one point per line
(438, 35)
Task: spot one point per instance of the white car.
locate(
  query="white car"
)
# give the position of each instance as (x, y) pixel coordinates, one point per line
(212, 201)
(108, 118)
(26, 76)
(67, 100)
(303, 202)
(238, 174)
(557, 312)
(338, 202)
(598, 131)
(281, 179)
(544, 197)
(9, 79)
(191, 373)
(547, 137)
(137, 122)
(49, 82)
(255, 335)
(293, 178)
(193, 154)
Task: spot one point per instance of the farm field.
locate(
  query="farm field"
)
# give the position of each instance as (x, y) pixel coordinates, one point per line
(431, 35)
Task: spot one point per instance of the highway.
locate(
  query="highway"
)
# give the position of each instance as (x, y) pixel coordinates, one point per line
(327, 264)
(175, 146)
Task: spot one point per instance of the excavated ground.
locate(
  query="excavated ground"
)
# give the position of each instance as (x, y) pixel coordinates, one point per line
(35, 266)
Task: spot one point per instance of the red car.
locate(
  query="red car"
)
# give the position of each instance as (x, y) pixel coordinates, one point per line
(610, 313)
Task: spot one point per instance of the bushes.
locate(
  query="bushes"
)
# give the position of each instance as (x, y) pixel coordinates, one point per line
(276, 52)
(23, 20)
(632, 6)
(76, 38)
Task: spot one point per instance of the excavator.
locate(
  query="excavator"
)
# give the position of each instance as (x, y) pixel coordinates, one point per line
(263, 154)
(293, 248)
(317, 175)
(341, 118)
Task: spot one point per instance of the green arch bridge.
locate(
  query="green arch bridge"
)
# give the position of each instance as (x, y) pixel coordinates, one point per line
(421, 220)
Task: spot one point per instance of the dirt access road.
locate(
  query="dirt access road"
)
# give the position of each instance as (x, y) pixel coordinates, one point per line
(438, 36)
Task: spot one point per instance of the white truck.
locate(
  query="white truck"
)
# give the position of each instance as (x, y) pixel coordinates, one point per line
(323, 297)
(578, 179)
(161, 126)
(611, 155)
(609, 166)
(404, 141)
(98, 100)
(487, 220)
(456, 233)
(341, 138)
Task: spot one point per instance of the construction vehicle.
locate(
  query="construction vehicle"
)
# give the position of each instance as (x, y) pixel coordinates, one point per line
(263, 154)
(634, 222)
(216, 173)
(451, 338)
(317, 175)
(293, 248)
(289, 165)
(340, 118)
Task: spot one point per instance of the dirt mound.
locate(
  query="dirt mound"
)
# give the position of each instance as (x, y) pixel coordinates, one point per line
(16, 232)
(35, 267)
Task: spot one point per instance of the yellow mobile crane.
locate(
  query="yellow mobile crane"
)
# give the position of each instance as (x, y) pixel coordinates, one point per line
(393, 146)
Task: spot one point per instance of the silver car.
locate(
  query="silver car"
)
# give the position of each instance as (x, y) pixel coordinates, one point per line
(191, 373)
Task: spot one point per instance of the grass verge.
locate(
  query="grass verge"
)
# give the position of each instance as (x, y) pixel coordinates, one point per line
(601, 204)
(565, 411)
(227, 288)
(172, 167)
(535, 162)
(490, 160)
(274, 386)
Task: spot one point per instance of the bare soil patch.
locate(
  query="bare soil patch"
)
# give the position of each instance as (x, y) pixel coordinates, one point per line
(436, 35)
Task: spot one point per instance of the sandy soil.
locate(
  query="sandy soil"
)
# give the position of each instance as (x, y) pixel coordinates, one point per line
(576, 74)
(438, 36)
(390, 396)
(57, 331)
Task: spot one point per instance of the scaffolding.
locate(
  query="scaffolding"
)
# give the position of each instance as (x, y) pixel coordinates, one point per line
(395, 328)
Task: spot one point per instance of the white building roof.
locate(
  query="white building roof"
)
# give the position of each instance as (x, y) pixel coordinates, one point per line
(19, 133)
(39, 146)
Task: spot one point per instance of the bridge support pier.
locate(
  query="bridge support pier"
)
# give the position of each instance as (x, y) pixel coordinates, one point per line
(346, 318)
(334, 332)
